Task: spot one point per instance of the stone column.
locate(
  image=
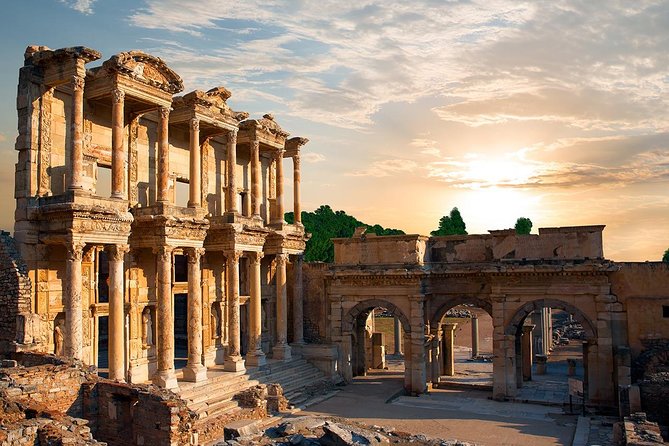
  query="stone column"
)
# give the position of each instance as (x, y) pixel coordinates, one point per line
(194, 188)
(417, 349)
(72, 301)
(165, 376)
(436, 359)
(526, 352)
(163, 155)
(77, 140)
(195, 371)
(278, 216)
(297, 206)
(119, 155)
(448, 330)
(233, 357)
(398, 337)
(255, 356)
(298, 303)
(281, 350)
(116, 348)
(231, 182)
(255, 179)
(475, 336)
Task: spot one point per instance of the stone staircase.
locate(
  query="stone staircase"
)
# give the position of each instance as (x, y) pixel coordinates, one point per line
(214, 397)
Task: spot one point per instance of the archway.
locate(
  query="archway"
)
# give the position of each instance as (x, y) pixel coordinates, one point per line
(362, 346)
(551, 344)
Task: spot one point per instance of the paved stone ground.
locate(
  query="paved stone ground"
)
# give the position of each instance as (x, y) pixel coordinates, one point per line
(466, 415)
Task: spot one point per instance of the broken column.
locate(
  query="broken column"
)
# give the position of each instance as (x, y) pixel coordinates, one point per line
(526, 352)
(448, 330)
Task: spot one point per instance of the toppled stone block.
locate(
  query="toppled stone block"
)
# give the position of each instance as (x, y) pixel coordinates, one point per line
(340, 435)
(240, 428)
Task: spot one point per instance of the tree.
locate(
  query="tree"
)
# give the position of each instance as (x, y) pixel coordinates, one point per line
(452, 224)
(665, 257)
(523, 226)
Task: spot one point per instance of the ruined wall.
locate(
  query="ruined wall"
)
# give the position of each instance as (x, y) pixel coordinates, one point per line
(315, 302)
(17, 324)
(372, 249)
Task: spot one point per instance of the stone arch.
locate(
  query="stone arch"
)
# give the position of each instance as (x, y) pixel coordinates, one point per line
(454, 302)
(522, 312)
(349, 320)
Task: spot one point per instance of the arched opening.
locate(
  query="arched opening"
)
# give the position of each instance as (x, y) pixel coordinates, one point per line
(463, 328)
(376, 337)
(552, 340)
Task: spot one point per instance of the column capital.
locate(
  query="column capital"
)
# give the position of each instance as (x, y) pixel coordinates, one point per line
(194, 124)
(78, 82)
(296, 160)
(116, 252)
(163, 252)
(75, 250)
(255, 257)
(278, 154)
(232, 136)
(194, 254)
(528, 328)
(233, 255)
(165, 112)
(118, 95)
(281, 257)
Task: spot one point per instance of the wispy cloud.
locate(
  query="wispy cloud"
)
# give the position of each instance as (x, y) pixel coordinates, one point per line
(386, 168)
(82, 6)
(313, 157)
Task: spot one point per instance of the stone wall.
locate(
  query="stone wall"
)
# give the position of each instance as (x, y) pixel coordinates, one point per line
(315, 302)
(16, 320)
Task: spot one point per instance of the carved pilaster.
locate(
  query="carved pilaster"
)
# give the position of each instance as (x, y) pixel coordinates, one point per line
(132, 161)
(45, 116)
(206, 147)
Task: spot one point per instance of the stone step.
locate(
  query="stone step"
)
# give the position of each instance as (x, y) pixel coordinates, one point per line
(212, 387)
(222, 393)
(301, 383)
(282, 374)
(216, 408)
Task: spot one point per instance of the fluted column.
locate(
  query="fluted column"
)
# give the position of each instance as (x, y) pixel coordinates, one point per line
(77, 141)
(195, 371)
(163, 155)
(231, 182)
(72, 301)
(165, 376)
(255, 178)
(278, 217)
(298, 303)
(281, 350)
(297, 205)
(119, 154)
(475, 336)
(195, 165)
(255, 357)
(233, 358)
(116, 349)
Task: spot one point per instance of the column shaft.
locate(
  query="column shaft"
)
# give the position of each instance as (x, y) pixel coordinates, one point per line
(116, 332)
(165, 376)
(526, 352)
(297, 205)
(255, 357)
(278, 217)
(72, 301)
(77, 141)
(233, 359)
(281, 350)
(163, 155)
(475, 336)
(398, 337)
(449, 357)
(298, 303)
(255, 178)
(194, 182)
(194, 370)
(231, 182)
(119, 155)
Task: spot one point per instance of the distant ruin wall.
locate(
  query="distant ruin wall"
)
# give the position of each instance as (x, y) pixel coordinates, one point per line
(315, 302)
(16, 319)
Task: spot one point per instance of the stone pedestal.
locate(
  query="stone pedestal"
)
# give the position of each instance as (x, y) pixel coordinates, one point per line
(542, 365)
(116, 348)
(255, 356)
(526, 352)
(448, 334)
(165, 376)
(378, 351)
(281, 350)
(475, 336)
(233, 358)
(195, 371)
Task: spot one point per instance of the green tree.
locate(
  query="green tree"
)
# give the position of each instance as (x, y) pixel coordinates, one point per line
(324, 224)
(451, 224)
(665, 257)
(523, 226)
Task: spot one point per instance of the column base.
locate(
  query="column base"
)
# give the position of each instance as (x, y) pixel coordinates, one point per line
(281, 352)
(166, 379)
(256, 359)
(234, 364)
(195, 373)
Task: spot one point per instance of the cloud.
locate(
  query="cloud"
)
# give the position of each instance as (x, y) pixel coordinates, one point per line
(312, 157)
(3, 137)
(82, 6)
(386, 168)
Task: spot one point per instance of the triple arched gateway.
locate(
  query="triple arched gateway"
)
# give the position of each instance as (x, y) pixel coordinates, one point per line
(511, 277)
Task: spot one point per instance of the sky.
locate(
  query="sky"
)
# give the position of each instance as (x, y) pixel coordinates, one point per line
(553, 110)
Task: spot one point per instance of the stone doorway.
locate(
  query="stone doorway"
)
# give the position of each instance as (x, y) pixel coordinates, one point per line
(180, 330)
(244, 327)
(373, 333)
(103, 345)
